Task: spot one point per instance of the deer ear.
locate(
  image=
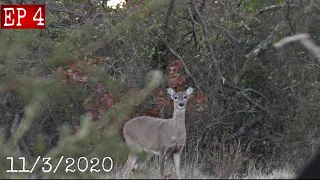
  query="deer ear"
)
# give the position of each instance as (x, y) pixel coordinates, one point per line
(171, 92)
(189, 91)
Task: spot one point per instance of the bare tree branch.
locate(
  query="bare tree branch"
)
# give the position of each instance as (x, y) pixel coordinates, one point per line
(194, 30)
(195, 82)
(53, 7)
(254, 103)
(202, 5)
(255, 51)
(205, 34)
(273, 7)
(244, 130)
(227, 84)
(166, 19)
(92, 2)
(239, 4)
(242, 92)
(287, 17)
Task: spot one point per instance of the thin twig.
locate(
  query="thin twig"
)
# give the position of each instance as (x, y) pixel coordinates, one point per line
(254, 103)
(273, 7)
(244, 95)
(166, 19)
(255, 51)
(205, 34)
(287, 17)
(193, 22)
(180, 58)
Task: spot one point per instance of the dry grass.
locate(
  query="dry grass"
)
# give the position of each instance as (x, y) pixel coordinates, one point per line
(227, 164)
(151, 171)
(285, 172)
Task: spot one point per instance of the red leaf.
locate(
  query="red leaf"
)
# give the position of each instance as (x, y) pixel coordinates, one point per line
(201, 97)
(92, 88)
(90, 114)
(99, 86)
(76, 76)
(72, 65)
(84, 79)
(59, 68)
(178, 64)
(180, 79)
(109, 105)
(101, 111)
(101, 100)
(161, 93)
(155, 113)
(173, 83)
(89, 61)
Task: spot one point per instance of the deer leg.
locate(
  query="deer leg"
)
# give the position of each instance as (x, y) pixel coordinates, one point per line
(161, 163)
(177, 160)
(131, 161)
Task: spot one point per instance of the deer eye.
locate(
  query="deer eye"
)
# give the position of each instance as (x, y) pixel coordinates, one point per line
(185, 97)
(175, 97)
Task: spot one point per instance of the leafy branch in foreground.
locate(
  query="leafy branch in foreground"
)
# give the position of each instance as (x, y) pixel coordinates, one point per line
(70, 145)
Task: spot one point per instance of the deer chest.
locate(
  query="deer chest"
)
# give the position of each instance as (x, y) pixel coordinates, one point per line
(174, 149)
(179, 139)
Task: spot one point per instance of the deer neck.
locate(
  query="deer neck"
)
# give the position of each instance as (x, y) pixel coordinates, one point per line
(178, 118)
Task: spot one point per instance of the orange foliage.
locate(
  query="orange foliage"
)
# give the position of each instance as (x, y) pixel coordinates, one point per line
(103, 99)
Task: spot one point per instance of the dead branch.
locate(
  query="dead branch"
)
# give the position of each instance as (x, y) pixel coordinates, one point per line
(244, 130)
(53, 7)
(193, 22)
(254, 103)
(255, 51)
(205, 34)
(227, 84)
(195, 82)
(239, 4)
(273, 7)
(287, 17)
(92, 2)
(258, 93)
(245, 96)
(166, 19)
(202, 5)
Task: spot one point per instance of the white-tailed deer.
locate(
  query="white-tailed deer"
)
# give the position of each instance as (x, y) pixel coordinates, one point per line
(158, 136)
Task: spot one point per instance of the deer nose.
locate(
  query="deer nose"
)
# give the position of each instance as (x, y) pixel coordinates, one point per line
(181, 104)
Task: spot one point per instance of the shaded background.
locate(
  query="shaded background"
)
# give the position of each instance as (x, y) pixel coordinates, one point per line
(254, 105)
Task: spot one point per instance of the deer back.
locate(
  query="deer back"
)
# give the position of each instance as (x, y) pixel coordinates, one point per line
(151, 133)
